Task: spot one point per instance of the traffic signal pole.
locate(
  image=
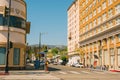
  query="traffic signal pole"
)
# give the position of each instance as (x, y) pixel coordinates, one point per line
(8, 40)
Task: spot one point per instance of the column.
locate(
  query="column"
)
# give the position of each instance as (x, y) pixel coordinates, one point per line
(103, 56)
(89, 54)
(98, 52)
(85, 57)
(115, 52)
(92, 61)
(108, 49)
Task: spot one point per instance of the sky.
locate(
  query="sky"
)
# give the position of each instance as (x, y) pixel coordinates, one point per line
(48, 17)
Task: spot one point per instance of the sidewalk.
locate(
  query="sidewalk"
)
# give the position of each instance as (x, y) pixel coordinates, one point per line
(28, 75)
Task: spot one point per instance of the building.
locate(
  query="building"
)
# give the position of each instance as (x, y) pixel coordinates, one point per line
(19, 27)
(100, 32)
(73, 32)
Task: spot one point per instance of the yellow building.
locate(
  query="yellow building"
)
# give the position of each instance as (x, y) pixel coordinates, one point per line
(19, 27)
(100, 32)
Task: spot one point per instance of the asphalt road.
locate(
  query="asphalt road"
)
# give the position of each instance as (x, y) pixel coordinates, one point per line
(72, 73)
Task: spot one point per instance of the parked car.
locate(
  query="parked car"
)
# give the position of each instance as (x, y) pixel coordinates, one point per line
(42, 63)
(79, 65)
(55, 63)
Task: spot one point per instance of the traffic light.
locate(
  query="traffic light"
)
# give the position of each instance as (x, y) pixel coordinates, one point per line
(11, 44)
(6, 11)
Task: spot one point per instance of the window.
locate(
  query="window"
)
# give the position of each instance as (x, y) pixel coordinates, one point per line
(117, 9)
(110, 23)
(87, 1)
(94, 23)
(112, 39)
(99, 20)
(90, 25)
(94, 12)
(86, 27)
(86, 10)
(14, 22)
(112, 56)
(16, 56)
(118, 20)
(87, 18)
(1, 20)
(90, 15)
(83, 29)
(103, 5)
(104, 26)
(90, 6)
(118, 56)
(110, 2)
(98, 0)
(110, 13)
(104, 17)
(95, 31)
(2, 55)
(94, 2)
(90, 33)
(119, 37)
(99, 9)
(99, 29)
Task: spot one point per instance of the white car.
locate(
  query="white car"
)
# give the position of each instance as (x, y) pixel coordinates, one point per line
(80, 65)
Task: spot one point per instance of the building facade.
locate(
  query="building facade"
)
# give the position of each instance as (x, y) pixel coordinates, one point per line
(19, 27)
(73, 32)
(100, 32)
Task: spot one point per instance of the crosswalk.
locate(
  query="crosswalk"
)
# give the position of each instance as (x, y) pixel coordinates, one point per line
(74, 72)
(85, 72)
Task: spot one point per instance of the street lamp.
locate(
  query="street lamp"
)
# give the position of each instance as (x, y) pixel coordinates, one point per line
(40, 43)
(8, 40)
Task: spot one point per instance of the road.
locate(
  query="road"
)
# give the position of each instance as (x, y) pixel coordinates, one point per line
(72, 73)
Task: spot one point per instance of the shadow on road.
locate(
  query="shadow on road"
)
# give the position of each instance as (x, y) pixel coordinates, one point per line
(53, 69)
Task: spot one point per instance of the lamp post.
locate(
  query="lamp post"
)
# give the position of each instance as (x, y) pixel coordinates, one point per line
(8, 40)
(39, 44)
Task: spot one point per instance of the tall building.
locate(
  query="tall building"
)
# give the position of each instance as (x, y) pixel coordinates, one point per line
(18, 29)
(100, 32)
(73, 32)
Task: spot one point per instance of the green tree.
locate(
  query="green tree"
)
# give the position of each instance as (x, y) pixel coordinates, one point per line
(55, 51)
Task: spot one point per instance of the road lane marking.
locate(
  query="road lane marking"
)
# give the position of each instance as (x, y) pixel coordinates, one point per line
(62, 72)
(99, 72)
(74, 72)
(85, 72)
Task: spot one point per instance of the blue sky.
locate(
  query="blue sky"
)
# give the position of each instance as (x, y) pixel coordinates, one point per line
(49, 17)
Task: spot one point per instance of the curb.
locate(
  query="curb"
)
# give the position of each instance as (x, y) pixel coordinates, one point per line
(2, 73)
(115, 70)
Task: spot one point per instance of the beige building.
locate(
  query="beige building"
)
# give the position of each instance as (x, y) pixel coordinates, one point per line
(99, 36)
(19, 27)
(73, 31)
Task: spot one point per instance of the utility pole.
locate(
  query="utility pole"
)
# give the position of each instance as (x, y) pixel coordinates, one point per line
(39, 44)
(40, 39)
(8, 40)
